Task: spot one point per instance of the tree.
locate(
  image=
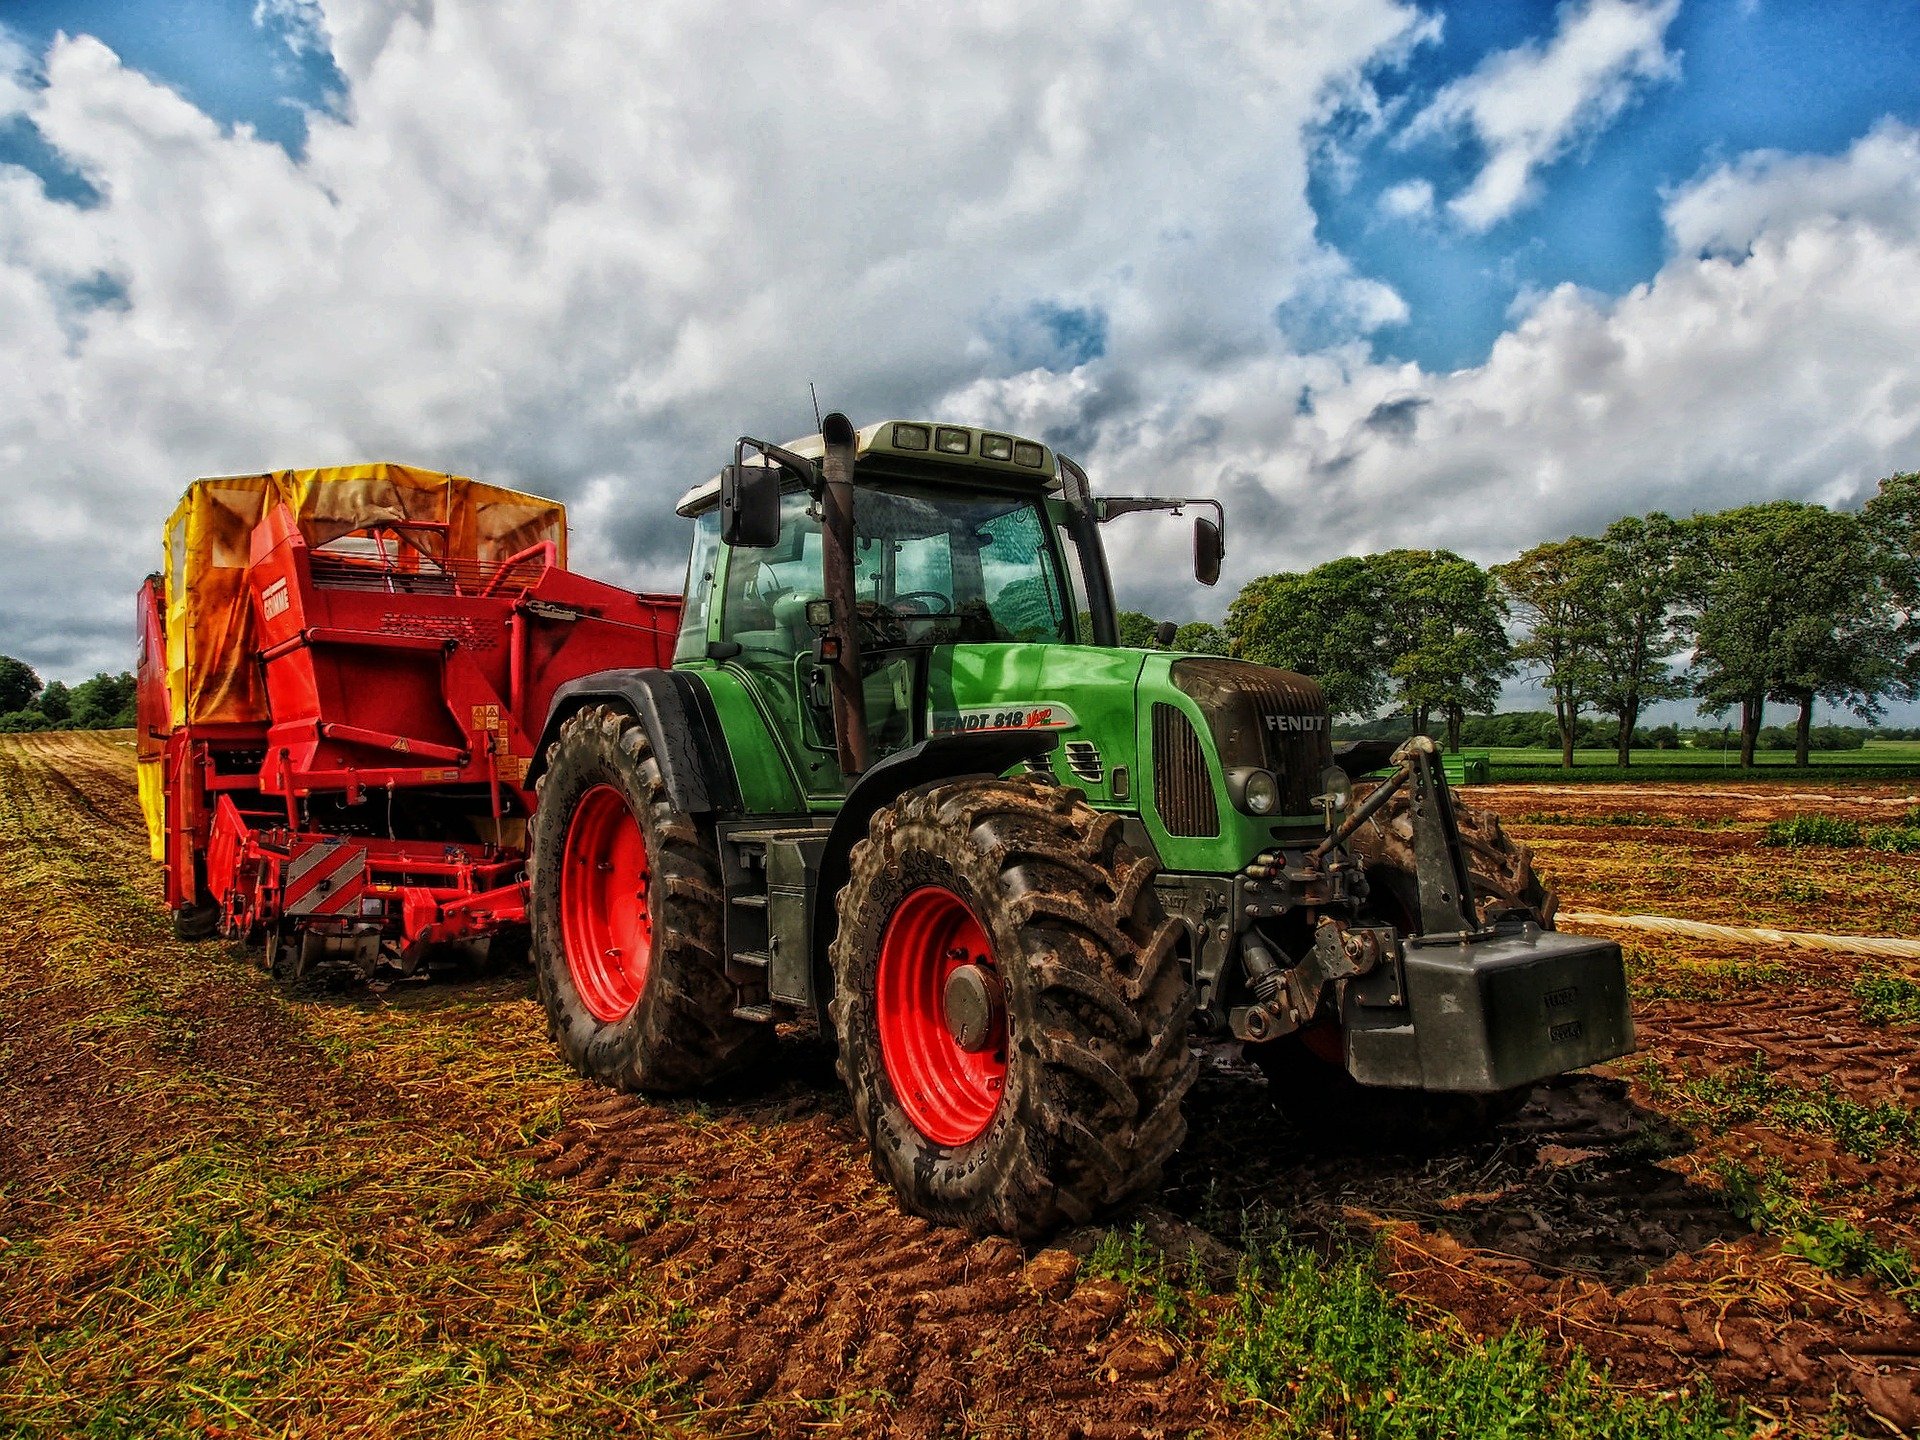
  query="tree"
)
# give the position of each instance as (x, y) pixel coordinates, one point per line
(56, 703)
(1445, 633)
(1892, 519)
(1325, 622)
(18, 684)
(1201, 638)
(1556, 588)
(1136, 630)
(1791, 603)
(1639, 591)
(105, 702)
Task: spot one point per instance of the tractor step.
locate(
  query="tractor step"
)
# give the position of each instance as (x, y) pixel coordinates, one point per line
(751, 902)
(765, 1014)
(759, 959)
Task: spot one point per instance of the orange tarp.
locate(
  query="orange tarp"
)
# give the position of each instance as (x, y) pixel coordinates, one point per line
(211, 672)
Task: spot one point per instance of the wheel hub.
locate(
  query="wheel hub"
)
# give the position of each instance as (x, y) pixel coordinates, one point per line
(975, 1003)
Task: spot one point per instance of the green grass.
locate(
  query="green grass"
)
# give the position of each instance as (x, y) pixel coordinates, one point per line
(1902, 838)
(1888, 998)
(1323, 1347)
(1766, 1201)
(1724, 1098)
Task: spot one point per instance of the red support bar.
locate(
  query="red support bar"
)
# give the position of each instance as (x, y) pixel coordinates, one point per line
(398, 744)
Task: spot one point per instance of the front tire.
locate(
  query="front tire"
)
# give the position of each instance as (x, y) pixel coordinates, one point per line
(1049, 1087)
(625, 912)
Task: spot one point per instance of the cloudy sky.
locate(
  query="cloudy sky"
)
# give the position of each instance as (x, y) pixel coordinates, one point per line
(1375, 273)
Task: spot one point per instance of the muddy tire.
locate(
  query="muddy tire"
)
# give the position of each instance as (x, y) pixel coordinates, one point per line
(1063, 1099)
(1504, 880)
(625, 911)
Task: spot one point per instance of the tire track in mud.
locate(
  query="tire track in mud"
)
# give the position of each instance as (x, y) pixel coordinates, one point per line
(1817, 1039)
(806, 1280)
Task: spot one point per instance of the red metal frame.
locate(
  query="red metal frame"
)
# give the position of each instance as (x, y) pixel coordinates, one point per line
(385, 788)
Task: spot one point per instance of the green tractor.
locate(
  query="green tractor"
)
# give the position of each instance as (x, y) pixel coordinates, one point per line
(901, 779)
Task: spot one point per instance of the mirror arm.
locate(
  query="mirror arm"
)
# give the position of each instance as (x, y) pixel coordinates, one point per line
(1112, 508)
(798, 466)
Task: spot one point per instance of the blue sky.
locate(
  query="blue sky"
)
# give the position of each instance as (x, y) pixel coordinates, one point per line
(1794, 75)
(1377, 272)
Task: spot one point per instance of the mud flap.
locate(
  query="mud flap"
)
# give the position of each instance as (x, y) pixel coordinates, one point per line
(1496, 1013)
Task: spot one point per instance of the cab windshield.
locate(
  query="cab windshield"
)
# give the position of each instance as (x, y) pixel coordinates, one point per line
(929, 568)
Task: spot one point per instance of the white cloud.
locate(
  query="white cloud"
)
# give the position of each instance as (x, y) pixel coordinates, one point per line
(301, 25)
(1785, 369)
(1409, 200)
(581, 247)
(1528, 106)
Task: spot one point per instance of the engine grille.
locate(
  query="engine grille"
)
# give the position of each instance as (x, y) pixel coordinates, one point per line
(1182, 786)
(1270, 718)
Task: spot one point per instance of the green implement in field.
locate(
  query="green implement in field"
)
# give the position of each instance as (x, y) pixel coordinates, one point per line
(901, 779)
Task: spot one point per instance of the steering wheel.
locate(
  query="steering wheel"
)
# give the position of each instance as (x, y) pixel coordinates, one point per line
(939, 603)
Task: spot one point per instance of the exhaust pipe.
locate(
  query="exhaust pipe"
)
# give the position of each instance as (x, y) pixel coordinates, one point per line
(836, 562)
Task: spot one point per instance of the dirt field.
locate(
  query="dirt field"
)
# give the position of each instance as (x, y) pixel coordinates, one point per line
(227, 1213)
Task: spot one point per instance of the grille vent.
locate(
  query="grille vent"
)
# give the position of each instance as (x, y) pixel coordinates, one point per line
(1182, 787)
(1083, 759)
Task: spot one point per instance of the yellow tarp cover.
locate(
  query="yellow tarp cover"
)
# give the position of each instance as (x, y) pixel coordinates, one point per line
(211, 674)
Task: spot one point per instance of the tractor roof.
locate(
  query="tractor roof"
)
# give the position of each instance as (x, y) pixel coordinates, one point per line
(992, 455)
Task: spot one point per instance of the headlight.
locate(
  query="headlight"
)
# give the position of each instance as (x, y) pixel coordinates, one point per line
(1259, 792)
(1336, 788)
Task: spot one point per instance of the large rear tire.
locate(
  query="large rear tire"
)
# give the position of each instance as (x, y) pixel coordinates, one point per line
(625, 912)
(1012, 1014)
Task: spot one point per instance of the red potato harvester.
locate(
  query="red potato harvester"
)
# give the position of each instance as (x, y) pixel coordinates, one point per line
(343, 674)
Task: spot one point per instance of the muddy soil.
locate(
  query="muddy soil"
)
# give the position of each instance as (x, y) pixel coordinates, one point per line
(735, 1269)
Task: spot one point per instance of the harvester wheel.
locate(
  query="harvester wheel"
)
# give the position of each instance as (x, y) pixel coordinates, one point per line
(196, 922)
(626, 916)
(1307, 1071)
(1012, 1014)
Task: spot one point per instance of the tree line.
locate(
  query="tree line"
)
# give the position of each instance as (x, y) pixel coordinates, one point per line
(103, 703)
(1782, 603)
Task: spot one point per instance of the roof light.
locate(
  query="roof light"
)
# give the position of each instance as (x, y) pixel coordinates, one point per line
(1029, 454)
(997, 447)
(911, 437)
(950, 440)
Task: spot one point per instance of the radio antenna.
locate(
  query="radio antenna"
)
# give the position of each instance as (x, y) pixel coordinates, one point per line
(816, 405)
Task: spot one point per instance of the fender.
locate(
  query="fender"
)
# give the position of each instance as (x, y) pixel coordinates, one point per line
(681, 724)
(982, 753)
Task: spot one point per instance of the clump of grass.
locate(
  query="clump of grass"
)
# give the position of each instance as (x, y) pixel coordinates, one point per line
(1792, 890)
(1333, 1351)
(1888, 998)
(1755, 1092)
(1900, 838)
(1139, 1265)
(1839, 1247)
(1656, 978)
(1800, 830)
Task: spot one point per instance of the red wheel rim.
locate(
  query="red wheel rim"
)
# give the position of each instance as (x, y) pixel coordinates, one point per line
(605, 926)
(949, 1094)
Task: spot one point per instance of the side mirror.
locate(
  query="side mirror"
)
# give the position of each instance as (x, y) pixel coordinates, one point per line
(750, 506)
(1163, 634)
(1209, 549)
